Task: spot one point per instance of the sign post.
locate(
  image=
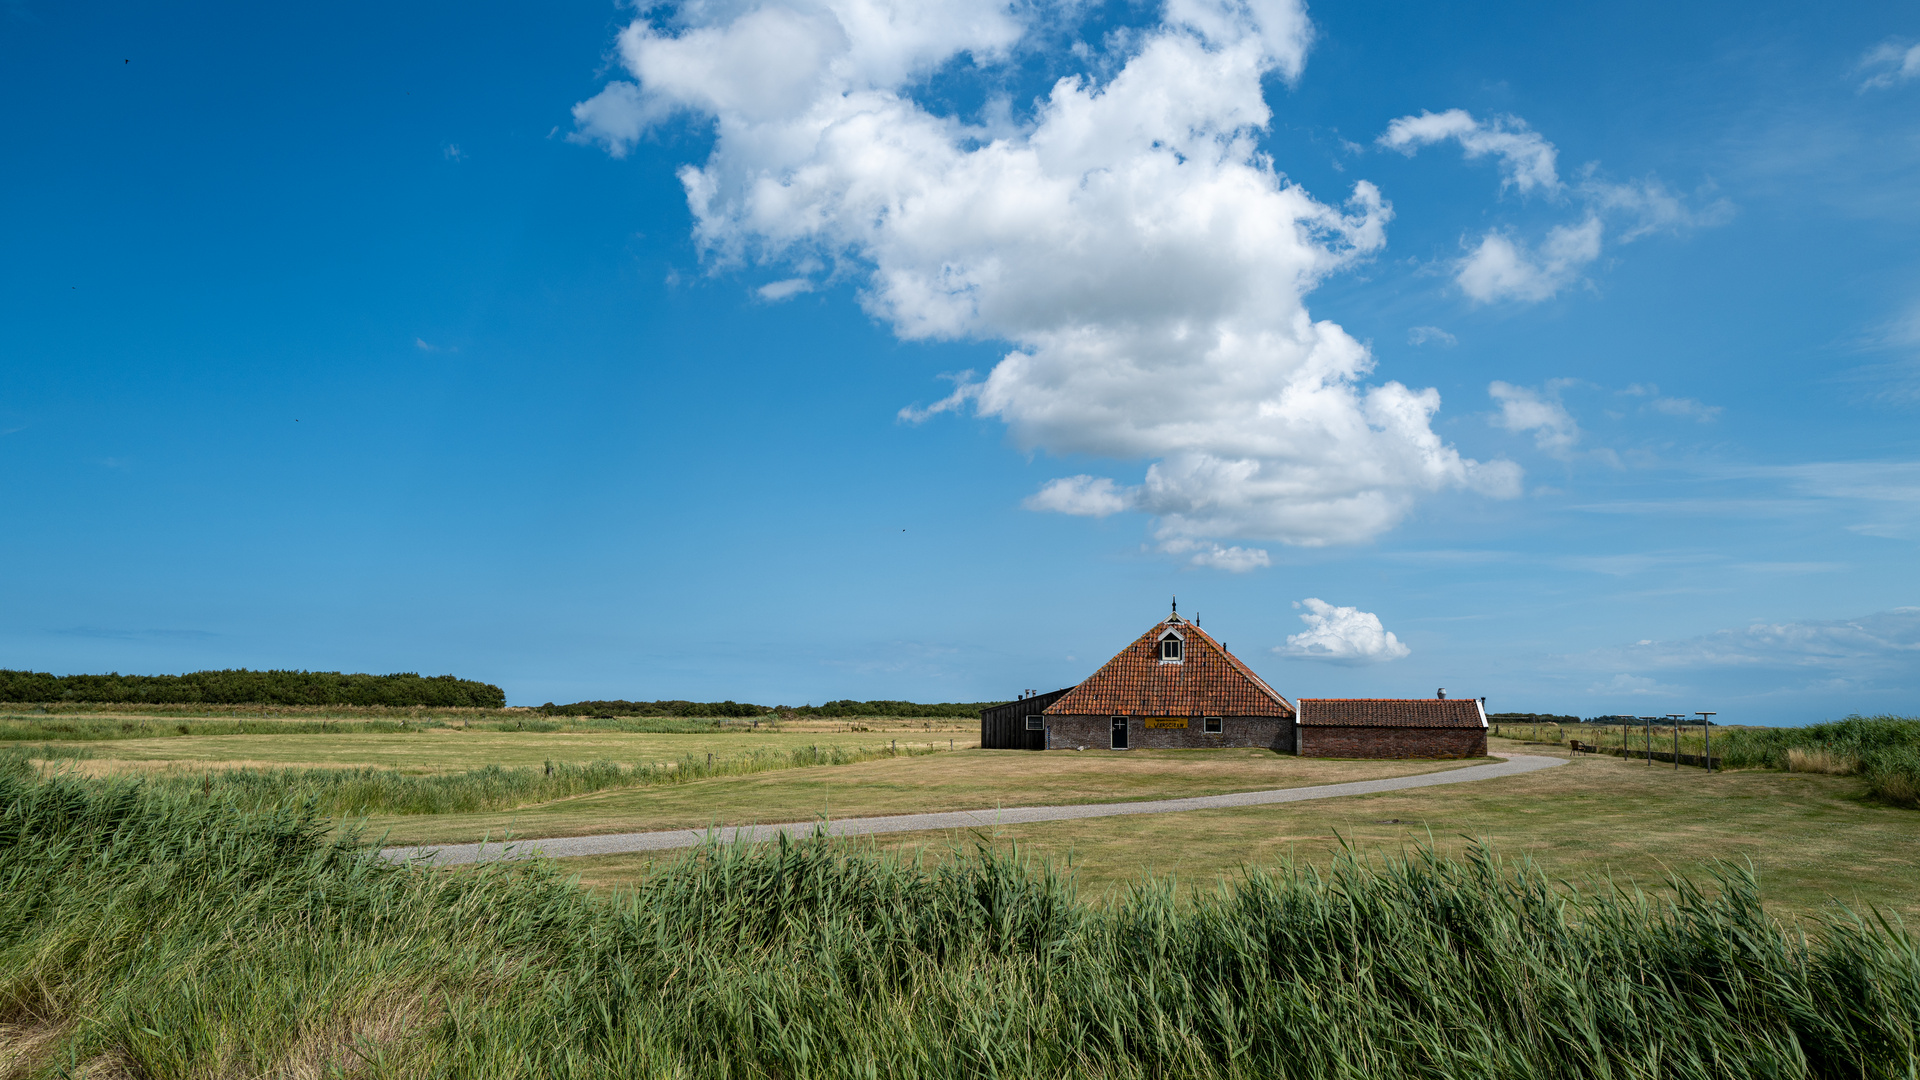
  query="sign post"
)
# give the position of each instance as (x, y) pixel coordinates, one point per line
(1675, 718)
(1706, 728)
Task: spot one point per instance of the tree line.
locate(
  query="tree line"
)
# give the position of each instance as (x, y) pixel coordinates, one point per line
(243, 687)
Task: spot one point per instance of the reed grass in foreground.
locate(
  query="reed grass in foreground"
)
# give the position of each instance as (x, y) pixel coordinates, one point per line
(152, 935)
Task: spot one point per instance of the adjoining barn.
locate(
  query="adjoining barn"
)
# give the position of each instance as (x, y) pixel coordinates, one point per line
(1176, 687)
(1017, 725)
(1392, 728)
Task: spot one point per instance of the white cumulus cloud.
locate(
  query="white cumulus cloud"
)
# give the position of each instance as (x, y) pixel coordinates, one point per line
(1341, 635)
(1147, 263)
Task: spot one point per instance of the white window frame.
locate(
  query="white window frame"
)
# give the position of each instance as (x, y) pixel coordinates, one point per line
(1212, 725)
(1160, 647)
(1035, 722)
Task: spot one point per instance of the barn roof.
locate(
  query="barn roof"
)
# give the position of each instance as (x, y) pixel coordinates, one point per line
(1392, 712)
(1210, 681)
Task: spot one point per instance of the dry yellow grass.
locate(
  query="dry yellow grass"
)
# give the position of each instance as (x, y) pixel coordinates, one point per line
(1816, 760)
(964, 780)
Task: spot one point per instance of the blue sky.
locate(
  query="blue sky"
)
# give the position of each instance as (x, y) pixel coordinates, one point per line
(1568, 357)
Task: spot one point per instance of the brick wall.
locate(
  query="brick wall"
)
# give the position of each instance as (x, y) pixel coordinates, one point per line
(1392, 742)
(1096, 733)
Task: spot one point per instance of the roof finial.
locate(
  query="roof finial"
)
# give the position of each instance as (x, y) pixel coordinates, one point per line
(1176, 605)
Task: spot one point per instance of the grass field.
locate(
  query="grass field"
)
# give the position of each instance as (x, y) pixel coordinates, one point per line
(149, 933)
(1810, 837)
(963, 780)
(448, 749)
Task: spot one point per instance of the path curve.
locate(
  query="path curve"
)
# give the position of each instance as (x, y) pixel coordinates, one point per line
(625, 843)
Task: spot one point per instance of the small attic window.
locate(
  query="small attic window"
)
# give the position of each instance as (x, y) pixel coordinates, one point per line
(1170, 650)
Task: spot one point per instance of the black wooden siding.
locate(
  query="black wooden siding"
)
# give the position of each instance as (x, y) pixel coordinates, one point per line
(1004, 727)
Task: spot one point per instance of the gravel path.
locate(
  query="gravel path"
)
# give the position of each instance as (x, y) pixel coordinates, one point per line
(623, 843)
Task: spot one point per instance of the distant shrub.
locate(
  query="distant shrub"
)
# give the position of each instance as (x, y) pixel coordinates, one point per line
(848, 707)
(1530, 718)
(242, 687)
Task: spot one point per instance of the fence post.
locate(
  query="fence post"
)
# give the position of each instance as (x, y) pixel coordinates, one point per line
(1706, 729)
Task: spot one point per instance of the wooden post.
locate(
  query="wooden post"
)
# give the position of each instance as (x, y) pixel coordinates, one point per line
(1675, 718)
(1706, 729)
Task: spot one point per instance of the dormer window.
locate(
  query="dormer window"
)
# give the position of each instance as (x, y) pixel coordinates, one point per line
(1172, 649)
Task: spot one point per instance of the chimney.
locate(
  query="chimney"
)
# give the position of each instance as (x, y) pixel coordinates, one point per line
(1441, 693)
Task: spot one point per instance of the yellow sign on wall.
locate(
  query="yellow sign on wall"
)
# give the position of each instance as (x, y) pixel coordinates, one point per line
(1166, 721)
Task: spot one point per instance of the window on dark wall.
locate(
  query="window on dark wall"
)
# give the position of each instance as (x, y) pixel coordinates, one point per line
(1034, 723)
(1211, 725)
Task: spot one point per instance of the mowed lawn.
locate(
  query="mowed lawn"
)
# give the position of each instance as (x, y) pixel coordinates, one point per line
(1810, 838)
(962, 780)
(451, 749)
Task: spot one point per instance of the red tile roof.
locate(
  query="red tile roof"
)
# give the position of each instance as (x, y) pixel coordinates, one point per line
(1392, 712)
(1210, 681)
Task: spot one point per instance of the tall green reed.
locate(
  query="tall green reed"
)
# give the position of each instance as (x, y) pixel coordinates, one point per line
(1885, 750)
(169, 936)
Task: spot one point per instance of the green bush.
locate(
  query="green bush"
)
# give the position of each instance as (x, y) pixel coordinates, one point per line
(240, 687)
(150, 934)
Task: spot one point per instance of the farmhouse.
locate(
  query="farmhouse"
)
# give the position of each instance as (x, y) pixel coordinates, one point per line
(1176, 687)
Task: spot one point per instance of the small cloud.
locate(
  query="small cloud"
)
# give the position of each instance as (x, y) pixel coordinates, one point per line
(1672, 406)
(1502, 269)
(1421, 335)
(1236, 560)
(1789, 568)
(1081, 496)
(784, 290)
(426, 346)
(1341, 635)
(1684, 407)
(1526, 159)
(1651, 207)
(1539, 411)
(452, 152)
(964, 390)
(1888, 64)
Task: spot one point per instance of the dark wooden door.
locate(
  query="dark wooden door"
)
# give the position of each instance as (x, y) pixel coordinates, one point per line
(1119, 733)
